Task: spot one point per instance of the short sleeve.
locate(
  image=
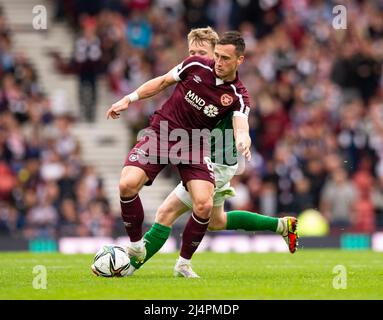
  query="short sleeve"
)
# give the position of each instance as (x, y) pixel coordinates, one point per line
(188, 66)
(242, 107)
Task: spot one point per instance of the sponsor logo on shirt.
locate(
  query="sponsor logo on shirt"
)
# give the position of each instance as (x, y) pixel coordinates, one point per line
(199, 103)
(210, 110)
(197, 79)
(195, 100)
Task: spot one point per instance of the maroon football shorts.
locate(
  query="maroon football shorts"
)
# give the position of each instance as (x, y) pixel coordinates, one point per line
(142, 156)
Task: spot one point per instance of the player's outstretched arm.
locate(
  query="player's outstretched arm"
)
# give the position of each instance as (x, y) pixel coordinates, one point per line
(147, 90)
(241, 135)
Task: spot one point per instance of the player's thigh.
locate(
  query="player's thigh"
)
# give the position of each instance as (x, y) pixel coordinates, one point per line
(139, 168)
(182, 194)
(218, 219)
(199, 180)
(170, 210)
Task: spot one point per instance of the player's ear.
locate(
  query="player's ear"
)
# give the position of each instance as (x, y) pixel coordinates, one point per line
(240, 60)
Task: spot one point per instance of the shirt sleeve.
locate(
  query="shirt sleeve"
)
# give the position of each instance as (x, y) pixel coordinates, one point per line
(242, 107)
(190, 65)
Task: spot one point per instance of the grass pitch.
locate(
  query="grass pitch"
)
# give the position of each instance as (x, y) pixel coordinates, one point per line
(307, 274)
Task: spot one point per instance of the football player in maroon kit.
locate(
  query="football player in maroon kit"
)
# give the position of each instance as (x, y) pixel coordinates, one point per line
(201, 42)
(206, 92)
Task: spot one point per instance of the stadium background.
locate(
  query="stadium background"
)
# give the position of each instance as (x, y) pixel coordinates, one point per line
(317, 124)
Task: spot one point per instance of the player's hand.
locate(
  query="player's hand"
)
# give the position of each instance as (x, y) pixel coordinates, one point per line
(116, 108)
(244, 149)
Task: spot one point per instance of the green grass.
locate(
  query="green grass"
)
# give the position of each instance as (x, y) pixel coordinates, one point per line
(308, 274)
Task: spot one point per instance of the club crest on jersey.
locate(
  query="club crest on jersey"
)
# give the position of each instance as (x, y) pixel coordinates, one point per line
(226, 100)
(133, 157)
(210, 110)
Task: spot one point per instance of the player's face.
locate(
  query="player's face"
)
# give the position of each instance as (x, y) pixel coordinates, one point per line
(203, 49)
(226, 61)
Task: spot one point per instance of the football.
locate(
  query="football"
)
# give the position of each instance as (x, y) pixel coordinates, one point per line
(111, 261)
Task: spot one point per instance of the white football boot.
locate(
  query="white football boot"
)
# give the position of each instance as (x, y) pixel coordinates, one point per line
(139, 252)
(184, 270)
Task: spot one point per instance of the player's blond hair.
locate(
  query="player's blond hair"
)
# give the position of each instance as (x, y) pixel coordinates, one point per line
(200, 35)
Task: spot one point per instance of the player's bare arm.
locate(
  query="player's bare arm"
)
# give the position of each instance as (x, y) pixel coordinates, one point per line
(241, 135)
(147, 90)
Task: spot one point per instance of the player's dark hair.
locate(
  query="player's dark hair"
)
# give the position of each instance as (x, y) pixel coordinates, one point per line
(234, 38)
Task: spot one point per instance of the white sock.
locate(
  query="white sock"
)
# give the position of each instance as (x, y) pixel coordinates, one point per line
(138, 244)
(183, 260)
(280, 227)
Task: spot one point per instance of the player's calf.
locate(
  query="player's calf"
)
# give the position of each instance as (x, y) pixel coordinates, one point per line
(218, 219)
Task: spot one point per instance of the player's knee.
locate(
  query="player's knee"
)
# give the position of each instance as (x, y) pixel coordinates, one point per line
(129, 187)
(203, 207)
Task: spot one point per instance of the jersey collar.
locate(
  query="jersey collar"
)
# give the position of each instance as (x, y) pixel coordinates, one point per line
(219, 81)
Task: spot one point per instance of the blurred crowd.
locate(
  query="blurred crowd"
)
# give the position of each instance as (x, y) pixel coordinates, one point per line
(316, 121)
(46, 190)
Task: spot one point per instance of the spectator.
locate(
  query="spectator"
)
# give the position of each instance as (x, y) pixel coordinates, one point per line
(87, 57)
(303, 198)
(338, 201)
(41, 220)
(68, 220)
(7, 182)
(365, 219)
(95, 221)
(40, 160)
(138, 31)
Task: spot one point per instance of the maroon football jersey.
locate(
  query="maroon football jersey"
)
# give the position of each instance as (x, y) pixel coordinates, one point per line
(200, 98)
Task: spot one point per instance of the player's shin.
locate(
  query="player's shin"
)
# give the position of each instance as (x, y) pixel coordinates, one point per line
(132, 214)
(193, 234)
(154, 239)
(250, 221)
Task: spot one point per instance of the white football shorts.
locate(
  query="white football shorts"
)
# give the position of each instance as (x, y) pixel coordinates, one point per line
(223, 190)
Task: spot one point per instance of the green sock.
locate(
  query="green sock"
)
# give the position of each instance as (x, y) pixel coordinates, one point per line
(154, 239)
(250, 221)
